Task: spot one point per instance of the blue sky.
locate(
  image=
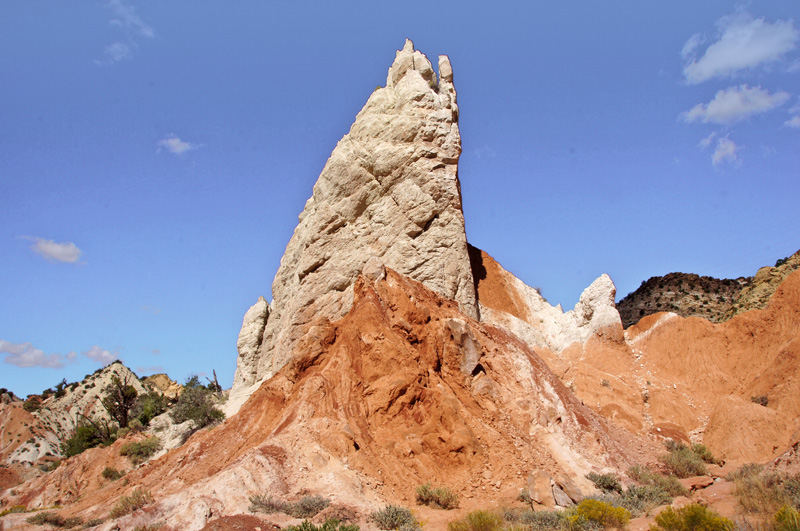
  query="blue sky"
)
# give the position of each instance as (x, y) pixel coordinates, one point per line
(154, 156)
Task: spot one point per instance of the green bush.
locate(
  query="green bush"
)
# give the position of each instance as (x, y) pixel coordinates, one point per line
(150, 406)
(195, 404)
(49, 518)
(477, 521)
(693, 517)
(705, 454)
(605, 482)
(331, 524)
(439, 497)
(112, 474)
(140, 451)
(394, 517)
(84, 437)
(127, 504)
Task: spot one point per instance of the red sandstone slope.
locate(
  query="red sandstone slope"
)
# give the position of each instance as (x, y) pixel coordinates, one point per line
(404, 389)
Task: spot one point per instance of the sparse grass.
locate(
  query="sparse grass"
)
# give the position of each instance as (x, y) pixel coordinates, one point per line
(54, 519)
(764, 492)
(394, 517)
(693, 517)
(477, 521)
(14, 509)
(140, 451)
(127, 504)
(305, 507)
(645, 476)
(786, 519)
(331, 524)
(93, 522)
(682, 461)
(112, 474)
(439, 497)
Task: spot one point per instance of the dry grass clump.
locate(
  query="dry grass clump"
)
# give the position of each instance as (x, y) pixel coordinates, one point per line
(54, 519)
(439, 497)
(305, 507)
(127, 504)
(331, 524)
(395, 517)
(140, 451)
(477, 521)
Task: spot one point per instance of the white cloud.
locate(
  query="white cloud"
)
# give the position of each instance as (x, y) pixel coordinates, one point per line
(126, 18)
(744, 42)
(115, 52)
(100, 355)
(793, 122)
(734, 104)
(687, 52)
(55, 252)
(708, 140)
(726, 152)
(175, 145)
(25, 355)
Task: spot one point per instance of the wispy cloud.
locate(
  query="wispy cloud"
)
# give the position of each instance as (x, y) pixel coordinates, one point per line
(793, 122)
(25, 355)
(101, 355)
(735, 103)
(175, 145)
(727, 151)
(52, 251)
(744, 42)
(124, 17)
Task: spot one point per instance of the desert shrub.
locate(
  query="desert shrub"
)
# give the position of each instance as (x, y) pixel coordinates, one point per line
(127, 504)
(477, 521)
(525, 497)
(705, 454)
(761, 400)
(765, 492)
(693, 517)
(120, 398)
(605, 482)
(682, 462)
(394, 517)
(645, 476)
(149, 407)
(439, 497)
(151, 527)
(195, 404)
(786, 519)
(305, 507)
(543, 520)
(603, 514)
(84, 437)
(112, 473)
(140, 451)
(261, 503)
(93, 522)
(32, 404)
(50, 518)
(331, 524)
(308, 506)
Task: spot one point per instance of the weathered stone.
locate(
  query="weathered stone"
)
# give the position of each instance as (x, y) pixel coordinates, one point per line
(569, 487)
(561, 497)
(389, 190)
(539, 488)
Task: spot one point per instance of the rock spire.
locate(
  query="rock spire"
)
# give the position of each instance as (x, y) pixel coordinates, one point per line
(389, 190)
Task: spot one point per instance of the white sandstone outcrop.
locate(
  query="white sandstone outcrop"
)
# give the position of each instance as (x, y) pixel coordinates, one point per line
(531, 318)
(390, 190)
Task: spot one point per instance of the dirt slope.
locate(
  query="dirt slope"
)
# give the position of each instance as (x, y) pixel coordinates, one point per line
(404, 389)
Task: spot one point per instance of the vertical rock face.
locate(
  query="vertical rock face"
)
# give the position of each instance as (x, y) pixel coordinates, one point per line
(390, 190)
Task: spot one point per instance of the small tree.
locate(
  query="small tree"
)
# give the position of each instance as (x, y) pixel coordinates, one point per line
(120, 398)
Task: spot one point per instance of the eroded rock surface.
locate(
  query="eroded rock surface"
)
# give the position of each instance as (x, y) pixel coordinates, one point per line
(390, 189)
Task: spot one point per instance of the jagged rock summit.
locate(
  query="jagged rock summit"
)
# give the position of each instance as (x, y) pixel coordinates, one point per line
(389, 190)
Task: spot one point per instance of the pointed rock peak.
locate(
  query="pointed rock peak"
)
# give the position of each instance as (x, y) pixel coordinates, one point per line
(389, 190)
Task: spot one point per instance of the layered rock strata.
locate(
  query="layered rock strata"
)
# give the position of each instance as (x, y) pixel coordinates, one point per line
(390, 189)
